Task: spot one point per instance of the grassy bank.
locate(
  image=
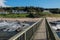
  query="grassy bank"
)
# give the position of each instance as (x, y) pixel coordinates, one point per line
(50, 15)
(29, 15)
(13, 15)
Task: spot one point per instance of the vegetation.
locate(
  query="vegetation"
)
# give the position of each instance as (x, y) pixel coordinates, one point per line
(54, 10)
(50, 15)
(32, 12)
(29, 15)
(13, 15)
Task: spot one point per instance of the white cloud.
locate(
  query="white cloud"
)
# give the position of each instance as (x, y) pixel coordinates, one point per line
(2, 3)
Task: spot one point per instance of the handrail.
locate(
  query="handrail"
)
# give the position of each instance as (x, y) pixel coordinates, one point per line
(52, 34)
(25, 31)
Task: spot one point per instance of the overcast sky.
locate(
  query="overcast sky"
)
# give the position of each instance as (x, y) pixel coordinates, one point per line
(36, 3)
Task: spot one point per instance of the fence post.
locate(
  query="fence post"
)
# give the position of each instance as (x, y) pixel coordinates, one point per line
(25, 35)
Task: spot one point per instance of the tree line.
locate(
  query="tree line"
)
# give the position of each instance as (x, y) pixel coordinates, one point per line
(33, 11)
(54, 10)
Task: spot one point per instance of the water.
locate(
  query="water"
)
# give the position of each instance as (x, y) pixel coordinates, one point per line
(9, 28)
(56, 27)
(58, 33)
(12, 26)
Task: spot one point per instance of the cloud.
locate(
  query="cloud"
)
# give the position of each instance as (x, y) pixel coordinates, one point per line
(2, 3)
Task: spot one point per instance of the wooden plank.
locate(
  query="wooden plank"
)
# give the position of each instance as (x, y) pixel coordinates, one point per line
(41, 32)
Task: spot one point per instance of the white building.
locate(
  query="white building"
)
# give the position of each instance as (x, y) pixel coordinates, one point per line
(18, 11)
(46, 11)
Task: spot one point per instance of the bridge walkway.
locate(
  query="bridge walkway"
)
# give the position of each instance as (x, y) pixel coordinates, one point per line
(41, 32)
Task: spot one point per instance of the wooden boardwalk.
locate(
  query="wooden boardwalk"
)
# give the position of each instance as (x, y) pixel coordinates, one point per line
(41, 32)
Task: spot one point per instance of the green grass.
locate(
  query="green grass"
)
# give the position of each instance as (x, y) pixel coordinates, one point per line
(49, 15)
(13, 15)
(27, 15)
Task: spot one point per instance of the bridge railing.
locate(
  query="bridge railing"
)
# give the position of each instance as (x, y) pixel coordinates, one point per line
(27, 33)
(52, 35)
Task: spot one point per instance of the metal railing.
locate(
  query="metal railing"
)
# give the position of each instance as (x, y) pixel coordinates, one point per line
(52, 35)
(27, 33)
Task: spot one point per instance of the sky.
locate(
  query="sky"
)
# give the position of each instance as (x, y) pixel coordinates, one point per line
(36, 3)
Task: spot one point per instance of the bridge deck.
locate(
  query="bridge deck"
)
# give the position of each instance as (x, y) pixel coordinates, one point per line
(41, 32)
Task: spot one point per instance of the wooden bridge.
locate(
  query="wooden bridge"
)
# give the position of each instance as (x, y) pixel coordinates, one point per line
(41, 30)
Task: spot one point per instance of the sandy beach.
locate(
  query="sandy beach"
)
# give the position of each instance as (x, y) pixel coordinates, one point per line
(21, 19)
